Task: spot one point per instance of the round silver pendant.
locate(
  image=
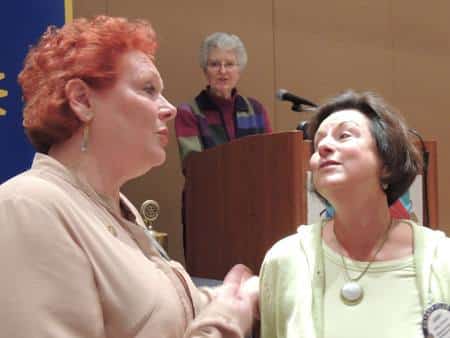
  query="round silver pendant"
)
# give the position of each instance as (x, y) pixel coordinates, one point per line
(352, 293)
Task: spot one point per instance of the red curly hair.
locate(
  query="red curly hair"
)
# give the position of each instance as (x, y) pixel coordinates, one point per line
(84, 49)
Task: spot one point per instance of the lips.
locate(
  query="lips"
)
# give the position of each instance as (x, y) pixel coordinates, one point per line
(222, 80)
(328, 163)
(163, 136)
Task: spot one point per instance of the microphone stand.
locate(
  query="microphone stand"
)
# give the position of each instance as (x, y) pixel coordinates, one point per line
(303, 127)
(299, 107)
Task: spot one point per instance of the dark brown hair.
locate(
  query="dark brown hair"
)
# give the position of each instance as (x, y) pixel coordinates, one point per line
(401, 158)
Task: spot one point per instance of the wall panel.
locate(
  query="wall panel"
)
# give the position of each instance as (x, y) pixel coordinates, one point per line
(89, 8)
(399, 48)
(422, 80)
(324, 47)
(181, 26)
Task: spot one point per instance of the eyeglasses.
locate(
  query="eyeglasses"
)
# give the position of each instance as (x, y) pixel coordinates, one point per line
(216, 65)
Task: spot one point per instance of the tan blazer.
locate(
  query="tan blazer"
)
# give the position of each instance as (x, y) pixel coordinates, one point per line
(71, 267)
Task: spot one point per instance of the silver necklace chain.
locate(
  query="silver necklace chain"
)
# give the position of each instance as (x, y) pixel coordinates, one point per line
(356, 279)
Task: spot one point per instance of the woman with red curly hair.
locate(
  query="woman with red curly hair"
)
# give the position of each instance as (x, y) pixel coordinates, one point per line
(83, 263)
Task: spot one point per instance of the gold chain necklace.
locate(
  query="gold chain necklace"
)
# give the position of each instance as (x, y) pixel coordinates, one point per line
(352, 292)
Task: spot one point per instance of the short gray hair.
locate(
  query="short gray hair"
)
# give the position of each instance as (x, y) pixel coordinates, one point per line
(224, 41)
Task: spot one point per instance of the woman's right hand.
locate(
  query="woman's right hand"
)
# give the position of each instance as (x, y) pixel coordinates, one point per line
(241, 290)
(234, 306)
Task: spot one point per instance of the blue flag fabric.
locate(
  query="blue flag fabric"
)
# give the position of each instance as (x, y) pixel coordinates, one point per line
(22, 22)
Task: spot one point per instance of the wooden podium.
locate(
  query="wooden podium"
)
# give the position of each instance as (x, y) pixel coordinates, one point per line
(243, 196)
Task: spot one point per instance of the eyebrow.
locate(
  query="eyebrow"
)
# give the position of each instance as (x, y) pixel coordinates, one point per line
(154, 76)
(339, 125)
(221, 60)
(345, 122)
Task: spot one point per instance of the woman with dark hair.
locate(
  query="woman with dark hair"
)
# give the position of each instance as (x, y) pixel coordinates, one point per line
(77, 260)
(361, 273)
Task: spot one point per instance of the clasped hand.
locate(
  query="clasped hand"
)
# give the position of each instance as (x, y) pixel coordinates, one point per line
(240, 290)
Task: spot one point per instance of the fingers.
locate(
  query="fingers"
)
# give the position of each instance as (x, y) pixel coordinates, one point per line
(251, 286)
(250, 290)
(240, 285)
(238, 274)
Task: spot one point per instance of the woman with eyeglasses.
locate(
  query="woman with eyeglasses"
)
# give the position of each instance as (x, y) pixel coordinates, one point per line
(219, 113)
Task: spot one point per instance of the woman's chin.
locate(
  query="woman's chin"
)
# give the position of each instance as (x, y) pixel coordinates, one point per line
(155, 159)
(328, 184)
(222, 91)
(159, 158)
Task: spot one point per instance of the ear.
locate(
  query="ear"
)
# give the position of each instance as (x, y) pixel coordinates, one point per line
(78, 96)
(385, 173)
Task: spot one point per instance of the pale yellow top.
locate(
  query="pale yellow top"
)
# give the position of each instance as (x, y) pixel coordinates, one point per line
(396, 313)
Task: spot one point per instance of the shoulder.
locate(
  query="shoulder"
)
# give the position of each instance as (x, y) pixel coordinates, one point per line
(442, 243)
(287, 273)
(433, 243)
(428, 234)
(258, 106)
(27, 186)
(185, 118)
(290, 248)
(438, 248)
(253, 100)
(184, 108)
(39, 197)
(261, 112)
(283, 248)
(36, 213)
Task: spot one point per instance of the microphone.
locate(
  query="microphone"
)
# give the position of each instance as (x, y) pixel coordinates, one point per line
(297, 101)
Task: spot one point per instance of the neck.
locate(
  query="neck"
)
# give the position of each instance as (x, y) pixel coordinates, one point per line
(221, 94)
(358, 229)
(92, 169)
(363, 242)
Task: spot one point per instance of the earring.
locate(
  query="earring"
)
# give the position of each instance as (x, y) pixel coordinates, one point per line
(384, 186)
(84, 142)
(89, 115)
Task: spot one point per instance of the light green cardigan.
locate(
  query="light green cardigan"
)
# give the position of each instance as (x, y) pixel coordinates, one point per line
(292, 280)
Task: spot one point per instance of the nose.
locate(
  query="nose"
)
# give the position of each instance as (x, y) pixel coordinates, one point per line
(167, 111)
(325, 146)
(222, 68)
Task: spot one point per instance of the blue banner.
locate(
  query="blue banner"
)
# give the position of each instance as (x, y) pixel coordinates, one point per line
(22, 22)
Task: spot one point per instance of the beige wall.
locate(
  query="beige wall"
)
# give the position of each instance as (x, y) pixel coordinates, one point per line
(400, 49)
